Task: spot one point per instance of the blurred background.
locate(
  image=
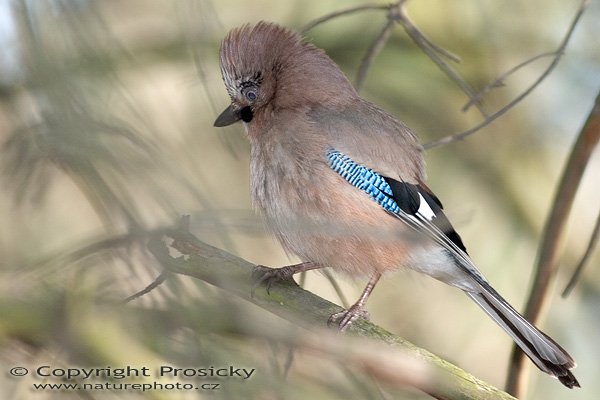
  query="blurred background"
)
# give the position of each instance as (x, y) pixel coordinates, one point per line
(106, 111)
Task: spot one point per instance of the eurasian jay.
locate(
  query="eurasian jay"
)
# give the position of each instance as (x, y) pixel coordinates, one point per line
(340, 182)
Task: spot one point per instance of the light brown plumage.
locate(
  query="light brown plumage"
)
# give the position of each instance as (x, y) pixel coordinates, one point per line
(297, 106)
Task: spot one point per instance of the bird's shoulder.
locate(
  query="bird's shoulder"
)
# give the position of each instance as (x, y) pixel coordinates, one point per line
(371, 137)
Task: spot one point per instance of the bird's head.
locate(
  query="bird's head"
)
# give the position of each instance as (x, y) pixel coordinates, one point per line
(267, 68)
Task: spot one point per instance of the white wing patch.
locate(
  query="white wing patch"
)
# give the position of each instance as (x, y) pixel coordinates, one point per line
(424, 210)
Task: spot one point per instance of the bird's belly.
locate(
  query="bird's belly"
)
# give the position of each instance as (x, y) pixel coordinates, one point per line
(341, 228)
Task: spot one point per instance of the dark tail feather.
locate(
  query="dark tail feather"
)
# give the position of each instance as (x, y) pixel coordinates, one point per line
(545, 353)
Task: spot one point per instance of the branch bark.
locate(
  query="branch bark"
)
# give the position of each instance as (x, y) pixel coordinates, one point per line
(187, 255)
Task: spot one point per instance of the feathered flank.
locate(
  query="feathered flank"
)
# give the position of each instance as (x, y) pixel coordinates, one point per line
(341, 183)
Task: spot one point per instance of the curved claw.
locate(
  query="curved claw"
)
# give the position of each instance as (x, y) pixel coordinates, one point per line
(262, 275)
(348, 317)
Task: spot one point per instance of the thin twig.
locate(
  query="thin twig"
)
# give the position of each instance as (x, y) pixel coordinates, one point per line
(500, 80)
(155, 283)
(553, 233)
(438, 49)
(398, 15)
(340, 13)
(49, 264)
(433, 51)
(559, 52)
(373, 50)
(583, 262)
(419, 37)
(289, 361)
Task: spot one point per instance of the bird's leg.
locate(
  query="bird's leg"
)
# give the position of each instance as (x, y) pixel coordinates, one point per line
(267, 276)
(355, 311)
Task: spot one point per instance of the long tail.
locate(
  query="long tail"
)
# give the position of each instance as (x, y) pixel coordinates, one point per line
(546, 354)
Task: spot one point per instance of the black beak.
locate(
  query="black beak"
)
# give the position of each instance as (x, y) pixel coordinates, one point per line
(228, 116)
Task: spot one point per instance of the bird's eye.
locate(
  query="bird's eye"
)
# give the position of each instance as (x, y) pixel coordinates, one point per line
(250, 93)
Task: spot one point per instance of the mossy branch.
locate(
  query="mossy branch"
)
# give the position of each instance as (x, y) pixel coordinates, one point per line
(183, 253)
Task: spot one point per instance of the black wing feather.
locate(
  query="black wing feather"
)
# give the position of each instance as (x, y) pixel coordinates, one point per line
(406, 195)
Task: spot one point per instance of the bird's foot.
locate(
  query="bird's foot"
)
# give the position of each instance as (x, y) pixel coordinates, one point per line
(268, 276)
(347, 317)
(262, 275)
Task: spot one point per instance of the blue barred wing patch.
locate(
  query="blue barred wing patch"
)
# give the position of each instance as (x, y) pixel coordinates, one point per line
(364, 179)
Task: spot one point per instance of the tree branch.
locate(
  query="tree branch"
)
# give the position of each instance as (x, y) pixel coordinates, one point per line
(499, 81)
(434, 51)
(187, 255)
(153, 285)
(374, 49)
(584, 259)
(559, 52)
(341, 13)
(553, 233)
